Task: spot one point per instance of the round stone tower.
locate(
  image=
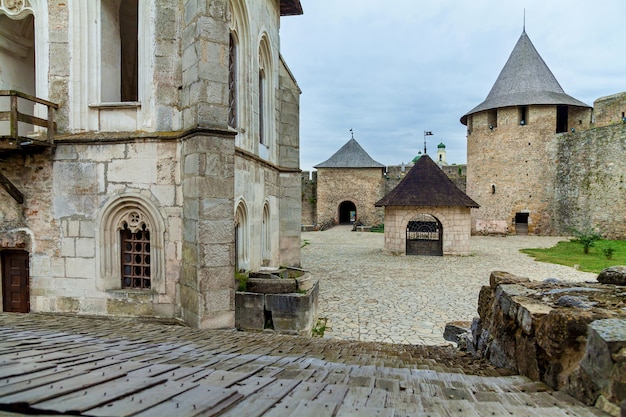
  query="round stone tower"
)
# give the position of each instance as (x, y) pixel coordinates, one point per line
(511, 139)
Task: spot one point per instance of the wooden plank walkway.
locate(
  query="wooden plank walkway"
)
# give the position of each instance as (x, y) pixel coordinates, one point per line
(90, 367)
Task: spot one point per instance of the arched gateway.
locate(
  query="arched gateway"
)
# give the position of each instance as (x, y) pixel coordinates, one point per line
(347, 212)
(424, 236)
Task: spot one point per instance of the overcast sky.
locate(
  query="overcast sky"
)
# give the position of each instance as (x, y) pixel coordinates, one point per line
(391, 70)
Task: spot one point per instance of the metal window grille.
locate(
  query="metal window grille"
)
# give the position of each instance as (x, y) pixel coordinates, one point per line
(232, 83)
(135, 258)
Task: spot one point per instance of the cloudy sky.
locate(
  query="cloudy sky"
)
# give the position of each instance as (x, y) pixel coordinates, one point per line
(391, 70)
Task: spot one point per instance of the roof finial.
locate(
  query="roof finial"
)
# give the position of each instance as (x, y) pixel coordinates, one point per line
(426, 133)
(351, 134)
(524, 24)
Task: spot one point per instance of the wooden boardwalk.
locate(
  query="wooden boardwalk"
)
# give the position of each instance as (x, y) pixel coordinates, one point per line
(60, 365)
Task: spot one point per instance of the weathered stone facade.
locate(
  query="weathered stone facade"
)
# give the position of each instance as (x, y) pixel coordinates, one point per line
(561, 180)
(173, 162)
(360, 186)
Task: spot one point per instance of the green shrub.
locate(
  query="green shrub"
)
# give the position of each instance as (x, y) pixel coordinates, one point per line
(587, 238)
(242, 280)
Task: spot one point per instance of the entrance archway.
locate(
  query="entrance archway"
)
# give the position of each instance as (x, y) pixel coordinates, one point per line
(424, 236)
(15, 281)
(347, 212)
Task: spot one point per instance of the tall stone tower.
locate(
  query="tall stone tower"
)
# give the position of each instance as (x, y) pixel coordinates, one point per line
(511, 145)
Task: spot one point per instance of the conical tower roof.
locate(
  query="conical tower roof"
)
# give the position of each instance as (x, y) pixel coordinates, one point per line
(525, 80)
(426, 185)
(351, 155)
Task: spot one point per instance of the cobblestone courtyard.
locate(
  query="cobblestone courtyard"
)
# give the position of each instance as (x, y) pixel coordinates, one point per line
(369, 296)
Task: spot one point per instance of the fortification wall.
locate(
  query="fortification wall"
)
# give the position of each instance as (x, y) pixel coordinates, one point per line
(589, 188)
(609, 110)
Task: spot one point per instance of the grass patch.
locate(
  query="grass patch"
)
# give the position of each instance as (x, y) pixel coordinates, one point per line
(603, 254)
(242, 280)
(379, 228)
(320, 327)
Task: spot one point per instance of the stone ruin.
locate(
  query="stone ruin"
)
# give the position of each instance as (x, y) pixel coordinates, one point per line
(571, 336)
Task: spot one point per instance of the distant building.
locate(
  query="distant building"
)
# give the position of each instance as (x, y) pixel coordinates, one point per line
(348, 185)
(345, 187)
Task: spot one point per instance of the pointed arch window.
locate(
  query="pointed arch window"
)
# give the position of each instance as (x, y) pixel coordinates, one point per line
(130, 246)
(135, 250)
(262, 93)
(266, 243)
(242, 237)
(232, 82)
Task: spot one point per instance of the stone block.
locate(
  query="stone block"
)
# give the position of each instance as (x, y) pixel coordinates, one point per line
(455, 329)
(499, 277)
(85, 247)
(293, 313)
(125, 307)
(272, 286)
(606, 338)
(80, 267)
(615, 275)
(67, 304)
(249, 311)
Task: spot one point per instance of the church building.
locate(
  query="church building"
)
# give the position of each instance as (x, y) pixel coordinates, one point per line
(148, 150)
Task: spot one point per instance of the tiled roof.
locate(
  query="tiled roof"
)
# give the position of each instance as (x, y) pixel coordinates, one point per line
(524, 80)
(426, 185)
(351, 155)
(290, 7)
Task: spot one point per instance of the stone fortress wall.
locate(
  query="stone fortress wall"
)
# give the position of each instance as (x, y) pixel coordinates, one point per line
(562, 181)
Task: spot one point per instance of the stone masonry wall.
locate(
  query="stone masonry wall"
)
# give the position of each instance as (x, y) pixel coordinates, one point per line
(362, 186)
(207, 292)
(519, 163)
(309, 198)
(572, 336)
(590, 184)
(609, 110)
(290, 203)
(455, 222)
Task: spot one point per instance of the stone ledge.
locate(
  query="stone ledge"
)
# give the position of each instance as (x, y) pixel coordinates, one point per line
(572, 336)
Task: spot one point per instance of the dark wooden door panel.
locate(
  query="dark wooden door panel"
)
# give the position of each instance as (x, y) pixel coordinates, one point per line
(15, 282)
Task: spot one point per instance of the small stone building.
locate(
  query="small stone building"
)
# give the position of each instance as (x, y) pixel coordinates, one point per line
(163, 155)
(348, 185)
(426, 214)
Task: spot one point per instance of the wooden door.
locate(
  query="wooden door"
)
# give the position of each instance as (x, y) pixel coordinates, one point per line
(15, 279)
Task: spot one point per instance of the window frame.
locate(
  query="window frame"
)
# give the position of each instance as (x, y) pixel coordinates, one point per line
(108, 250)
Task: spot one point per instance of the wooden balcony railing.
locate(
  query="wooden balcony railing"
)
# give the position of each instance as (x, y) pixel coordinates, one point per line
(13, 140)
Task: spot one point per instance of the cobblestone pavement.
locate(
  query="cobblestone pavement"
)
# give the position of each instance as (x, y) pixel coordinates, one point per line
(369, 296)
